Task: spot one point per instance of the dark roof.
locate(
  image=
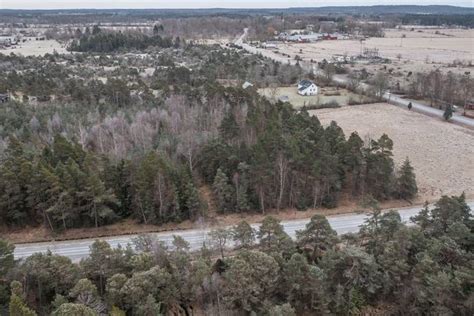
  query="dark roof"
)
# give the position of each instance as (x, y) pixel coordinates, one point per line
(304, 84)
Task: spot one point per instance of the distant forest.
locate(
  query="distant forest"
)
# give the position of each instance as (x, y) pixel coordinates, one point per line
(436, 14)
(466, 20)
(377, 9)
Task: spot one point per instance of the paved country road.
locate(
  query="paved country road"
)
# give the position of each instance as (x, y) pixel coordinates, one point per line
(78, 249)
(390, 98)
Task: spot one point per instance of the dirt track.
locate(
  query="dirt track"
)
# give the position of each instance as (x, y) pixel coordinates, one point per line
(441, 153)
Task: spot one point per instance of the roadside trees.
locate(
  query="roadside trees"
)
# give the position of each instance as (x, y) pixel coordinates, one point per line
(219, 238)
(380, 84)
(329, 71)
(250, 281)
(243, 234)
(406, 182)
(448, 112)
(273, 238)
(316, 238)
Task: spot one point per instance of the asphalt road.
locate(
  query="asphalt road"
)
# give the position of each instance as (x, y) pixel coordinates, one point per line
(390, 98)
(78, 249)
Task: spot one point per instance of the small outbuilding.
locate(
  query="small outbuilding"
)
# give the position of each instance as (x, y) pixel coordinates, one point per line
(307, 87)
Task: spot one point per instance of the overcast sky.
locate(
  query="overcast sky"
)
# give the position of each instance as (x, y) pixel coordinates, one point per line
(74, 4)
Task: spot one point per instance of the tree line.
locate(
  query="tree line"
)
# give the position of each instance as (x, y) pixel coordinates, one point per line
(441, 88)
(385, 268)
(100, 41)
(465, 20)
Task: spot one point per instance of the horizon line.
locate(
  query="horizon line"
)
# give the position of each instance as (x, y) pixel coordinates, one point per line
(242, 8)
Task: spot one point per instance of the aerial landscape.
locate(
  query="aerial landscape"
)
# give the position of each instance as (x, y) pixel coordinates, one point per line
(240, 158)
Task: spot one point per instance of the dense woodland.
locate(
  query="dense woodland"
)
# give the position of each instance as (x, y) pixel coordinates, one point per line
(106, 42)
(386, 269)
(116, 150)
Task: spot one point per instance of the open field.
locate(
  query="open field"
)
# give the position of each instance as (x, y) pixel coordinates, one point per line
(441, 153)
(418, 51)
(326, 95)
(36, 48)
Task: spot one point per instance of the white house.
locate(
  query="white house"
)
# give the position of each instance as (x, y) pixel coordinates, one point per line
(247, 85)
(307, 87)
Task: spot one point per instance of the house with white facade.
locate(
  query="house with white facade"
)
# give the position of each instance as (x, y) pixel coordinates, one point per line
(246, 85)
(307, 87)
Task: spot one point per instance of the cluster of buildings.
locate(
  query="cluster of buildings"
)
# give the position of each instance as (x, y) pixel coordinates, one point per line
(7, 41)
(309, 37)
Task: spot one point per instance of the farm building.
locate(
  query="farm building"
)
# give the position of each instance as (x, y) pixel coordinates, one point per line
(307, 87)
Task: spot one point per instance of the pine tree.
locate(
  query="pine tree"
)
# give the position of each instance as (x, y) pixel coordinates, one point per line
(317, 237)
(99, 201)
(143, 184)
(241, 182)
(273, 238)
(243, 234)
(193, 203)
(44, 193)
(229, 128)
(448, 112)
(15, 177)
(379, 175)
(223, 191)
(406, 182)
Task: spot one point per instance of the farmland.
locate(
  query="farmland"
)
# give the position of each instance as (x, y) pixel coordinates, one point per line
(419, 50)
(442, 154)
(33, 47)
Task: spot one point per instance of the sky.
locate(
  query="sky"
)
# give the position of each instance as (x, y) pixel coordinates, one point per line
(102, 4)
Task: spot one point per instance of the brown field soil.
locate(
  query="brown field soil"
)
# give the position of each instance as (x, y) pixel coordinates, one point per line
(129, 226)
(418, 51)
(441, 153)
